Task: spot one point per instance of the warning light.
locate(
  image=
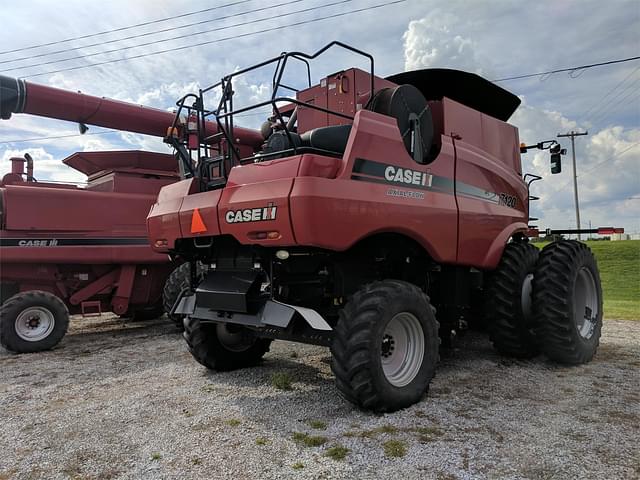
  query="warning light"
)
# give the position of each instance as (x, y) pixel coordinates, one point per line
(272, 235)
(197, 224)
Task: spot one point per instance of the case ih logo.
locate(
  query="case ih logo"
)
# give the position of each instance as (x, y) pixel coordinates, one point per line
(408, 176)
(38, 243)
(252, 214)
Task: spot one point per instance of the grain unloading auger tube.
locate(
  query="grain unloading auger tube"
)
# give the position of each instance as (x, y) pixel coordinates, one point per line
(20, 96)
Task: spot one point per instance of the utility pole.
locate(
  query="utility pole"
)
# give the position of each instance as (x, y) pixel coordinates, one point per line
(573, 135)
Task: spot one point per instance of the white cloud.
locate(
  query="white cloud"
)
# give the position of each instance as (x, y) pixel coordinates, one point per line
(46, 166)
(434, 41)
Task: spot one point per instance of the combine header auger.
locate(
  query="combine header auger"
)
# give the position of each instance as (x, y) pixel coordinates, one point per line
(65, 249)
(369, 202)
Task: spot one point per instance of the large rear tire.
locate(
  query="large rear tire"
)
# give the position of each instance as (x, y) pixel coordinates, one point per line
(385, 346)
(567, 302)
(223, 347)
(508, 309)
(32, 321)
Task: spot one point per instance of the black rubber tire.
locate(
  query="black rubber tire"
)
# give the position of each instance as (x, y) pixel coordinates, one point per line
(175, 284)
(7, 290)
(10, 310)
(510, 331)
(357, 346)
(554, 287)
(206, 348)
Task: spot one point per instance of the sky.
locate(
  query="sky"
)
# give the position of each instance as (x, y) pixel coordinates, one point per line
(496, 39)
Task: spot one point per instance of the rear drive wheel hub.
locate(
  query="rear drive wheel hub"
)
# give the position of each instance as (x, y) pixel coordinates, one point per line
(234, 338)
(585, 303)
(34, 324)
(402, 349)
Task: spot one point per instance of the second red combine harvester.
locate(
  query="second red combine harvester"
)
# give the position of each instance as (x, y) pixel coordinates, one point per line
(66, 249)
(363, 217)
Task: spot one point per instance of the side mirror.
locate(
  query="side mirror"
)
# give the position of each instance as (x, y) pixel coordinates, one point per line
(556, 158)
(556, 163)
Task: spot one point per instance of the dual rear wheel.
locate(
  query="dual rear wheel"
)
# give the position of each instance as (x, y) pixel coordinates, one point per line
(548, 302)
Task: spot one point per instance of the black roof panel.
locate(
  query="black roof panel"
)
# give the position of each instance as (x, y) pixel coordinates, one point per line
(467, 88)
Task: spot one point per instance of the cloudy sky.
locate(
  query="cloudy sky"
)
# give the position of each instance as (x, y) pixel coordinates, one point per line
(496, 39)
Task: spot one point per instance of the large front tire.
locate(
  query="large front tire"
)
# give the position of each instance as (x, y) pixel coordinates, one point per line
(508, 299)
(32, 321)
(567, 302)
(223, 347)
(385, 346)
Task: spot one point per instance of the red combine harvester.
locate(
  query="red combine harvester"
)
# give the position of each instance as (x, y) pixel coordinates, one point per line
(65, 249)
(366, 203)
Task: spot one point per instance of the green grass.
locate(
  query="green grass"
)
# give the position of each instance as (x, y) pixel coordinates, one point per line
(281, 381)
(619, 264)
(395, 448)
(337, 452)
(317, 424)
(309, 440)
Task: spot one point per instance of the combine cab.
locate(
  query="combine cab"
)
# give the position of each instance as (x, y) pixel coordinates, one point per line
(363, 218)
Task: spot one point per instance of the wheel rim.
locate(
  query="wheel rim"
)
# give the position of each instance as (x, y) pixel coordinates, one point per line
(234, 338)
(402, 349)
(585, 303)
(525, 299)
(34, 324)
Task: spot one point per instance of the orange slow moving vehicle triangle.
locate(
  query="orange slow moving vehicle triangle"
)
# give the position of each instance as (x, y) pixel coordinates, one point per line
(197, 224)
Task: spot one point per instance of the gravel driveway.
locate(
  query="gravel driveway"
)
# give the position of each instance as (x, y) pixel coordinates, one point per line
(126, 400)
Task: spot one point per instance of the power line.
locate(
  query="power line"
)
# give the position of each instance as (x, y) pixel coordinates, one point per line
(189, 35)
(569, 69)
(602, 99)
(39, 139)
(613, 105)
(130, 37)
(248, 34)
(173, 17)
(609, 159)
